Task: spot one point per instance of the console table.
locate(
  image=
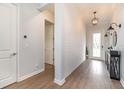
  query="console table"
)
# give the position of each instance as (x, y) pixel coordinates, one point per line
(112, 61)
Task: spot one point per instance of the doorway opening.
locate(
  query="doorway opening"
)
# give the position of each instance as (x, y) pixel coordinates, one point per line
(49, 46)
(96, 45)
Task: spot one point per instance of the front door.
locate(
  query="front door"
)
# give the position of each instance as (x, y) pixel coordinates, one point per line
(7, 44)
(96, 49)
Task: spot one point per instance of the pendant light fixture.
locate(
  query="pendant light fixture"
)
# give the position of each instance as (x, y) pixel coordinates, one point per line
(94, 20)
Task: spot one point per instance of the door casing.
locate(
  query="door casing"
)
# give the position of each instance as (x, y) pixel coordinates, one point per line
(49, 49)
(51, 21)
(89, 44)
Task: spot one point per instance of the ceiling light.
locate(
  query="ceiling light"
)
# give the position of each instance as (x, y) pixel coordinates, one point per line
(94, 20)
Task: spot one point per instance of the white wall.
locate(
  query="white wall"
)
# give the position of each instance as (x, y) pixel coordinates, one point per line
(31, 50)
(69, 40)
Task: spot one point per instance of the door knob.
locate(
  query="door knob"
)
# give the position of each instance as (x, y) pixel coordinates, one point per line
(102, 46)
(13, 54)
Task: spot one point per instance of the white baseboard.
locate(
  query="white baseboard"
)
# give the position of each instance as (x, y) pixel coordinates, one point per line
(73, 69)
(29, 75)
(59, 82)
(122, 82)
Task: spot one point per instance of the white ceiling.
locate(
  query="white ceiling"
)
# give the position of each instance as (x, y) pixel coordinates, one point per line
(46, 6)
(104, 12)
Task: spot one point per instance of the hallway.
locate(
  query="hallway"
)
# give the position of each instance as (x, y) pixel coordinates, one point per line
(90, 74)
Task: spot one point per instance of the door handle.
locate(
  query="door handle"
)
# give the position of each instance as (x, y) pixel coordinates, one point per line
(13, 54)
(102, 46)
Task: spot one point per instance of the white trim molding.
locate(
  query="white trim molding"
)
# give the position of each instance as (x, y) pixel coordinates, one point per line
(122, 82)
(59, 82)
(30, 75)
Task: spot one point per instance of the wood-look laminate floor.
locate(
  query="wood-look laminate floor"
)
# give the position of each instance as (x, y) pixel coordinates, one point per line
(89, 75)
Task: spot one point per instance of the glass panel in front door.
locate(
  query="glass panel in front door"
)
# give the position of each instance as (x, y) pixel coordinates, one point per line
(97, 45)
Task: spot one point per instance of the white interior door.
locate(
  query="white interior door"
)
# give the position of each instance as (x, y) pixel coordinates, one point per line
(49, 27)
(7, 44)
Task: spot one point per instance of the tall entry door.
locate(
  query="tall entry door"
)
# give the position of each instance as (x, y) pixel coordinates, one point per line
(96, 46)
(8, 21)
